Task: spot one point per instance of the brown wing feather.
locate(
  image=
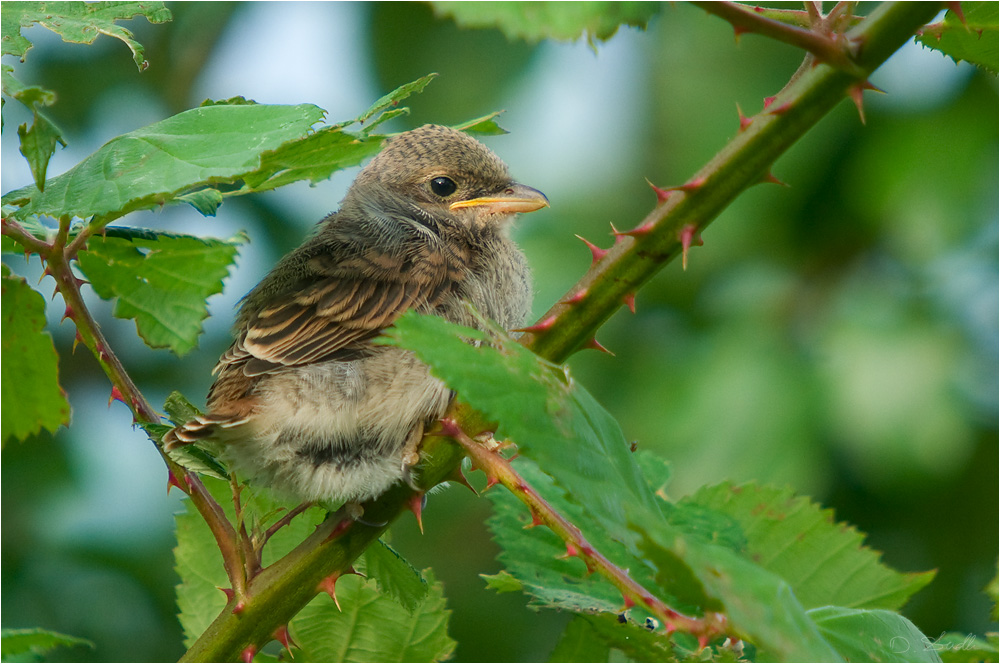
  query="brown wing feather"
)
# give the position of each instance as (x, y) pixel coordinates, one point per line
(348, 302)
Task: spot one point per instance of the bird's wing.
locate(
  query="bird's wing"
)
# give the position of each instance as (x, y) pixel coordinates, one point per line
(344, 301)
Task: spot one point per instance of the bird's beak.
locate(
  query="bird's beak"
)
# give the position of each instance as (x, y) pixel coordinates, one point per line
(515, 198)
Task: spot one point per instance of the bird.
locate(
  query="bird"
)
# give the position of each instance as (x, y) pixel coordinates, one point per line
(305, 401)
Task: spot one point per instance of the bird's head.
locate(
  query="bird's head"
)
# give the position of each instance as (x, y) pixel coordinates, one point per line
(448, 175)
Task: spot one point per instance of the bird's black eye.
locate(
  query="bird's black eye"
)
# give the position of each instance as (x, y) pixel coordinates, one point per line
(443, 186)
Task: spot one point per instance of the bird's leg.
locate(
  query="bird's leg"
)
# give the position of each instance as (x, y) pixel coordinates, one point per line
(411, 454)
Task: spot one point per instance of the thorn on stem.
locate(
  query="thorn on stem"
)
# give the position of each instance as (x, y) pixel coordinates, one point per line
(538, 327)
(594, 344)
(629, 300)
(68, 313)
(770, 179)
(635, 232)
(536, 520)
(769, 100)
(661, 194)
(282, 636)
(239, 608)
(577, 297)
(688, 236)
(116, 395)
(744, 120)
(76, 340)
(248, 653)
(629, 602)
(329, 586)
(416, 504)
(228, 593)
(856, 93)
(957, 8)
(173, 481)
(596, 252)
(491, 481)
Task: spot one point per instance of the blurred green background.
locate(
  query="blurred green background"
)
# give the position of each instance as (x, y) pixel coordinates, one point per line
(838, 335)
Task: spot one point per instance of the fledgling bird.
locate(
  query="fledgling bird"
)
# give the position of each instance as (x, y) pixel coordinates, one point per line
(304, 401)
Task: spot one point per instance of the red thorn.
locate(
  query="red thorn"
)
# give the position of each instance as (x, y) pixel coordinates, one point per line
(228, 592)
(957, 8)
(702, 641)
(744, 120)
(781, 110)
(596, 251)
(856, 93)
(239, 608)
(571, 551)
(329, 586)
(416, 505)
(491, 482)
(69, 313)
(759, 9)
(770, 179)
(340, 528)
(688, 236)
(116, 395)
(594, 344)
(769, 100)
(172, 482)
(690, 185)
(629, 603)
(450, 428)
(76, 340)
(737, 31)
(669, 627)
(282, 636)
(635, 232)
(248, 653)
(661, 194)
(576, 298)
(458, 476)
(629, 300)
(538, 327)
(536, 520)
(868, 85)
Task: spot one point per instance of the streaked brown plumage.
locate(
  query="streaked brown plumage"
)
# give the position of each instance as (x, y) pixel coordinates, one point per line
(304, 401)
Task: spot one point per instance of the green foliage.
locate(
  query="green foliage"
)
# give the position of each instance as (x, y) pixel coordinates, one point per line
(685, 552)
(32, 398)
(372, 627)
(974, 39)
(791, 581)
(534, 21)
(160, 280)
(17, 643)
(774, 520)
(395, 614)
(873, 636)
(79, 23)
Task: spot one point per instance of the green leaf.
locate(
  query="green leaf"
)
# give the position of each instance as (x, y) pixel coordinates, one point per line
(975, 41)
(205, 201)
(79, 23)
(534, 21)
(873, 636)
(395, 577)
(580, 643)
(28, 95)
(484, 126)
(540, 408)
(38, 144)
(535, 558)
(162, 283)
(372, 627)
(35, 641)
(154, 165)
(503, 582)
(198, 562)
(591, 639)
(823, 561)
(393, 98)
(759, 605)
(32, 398)
(313, 158)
